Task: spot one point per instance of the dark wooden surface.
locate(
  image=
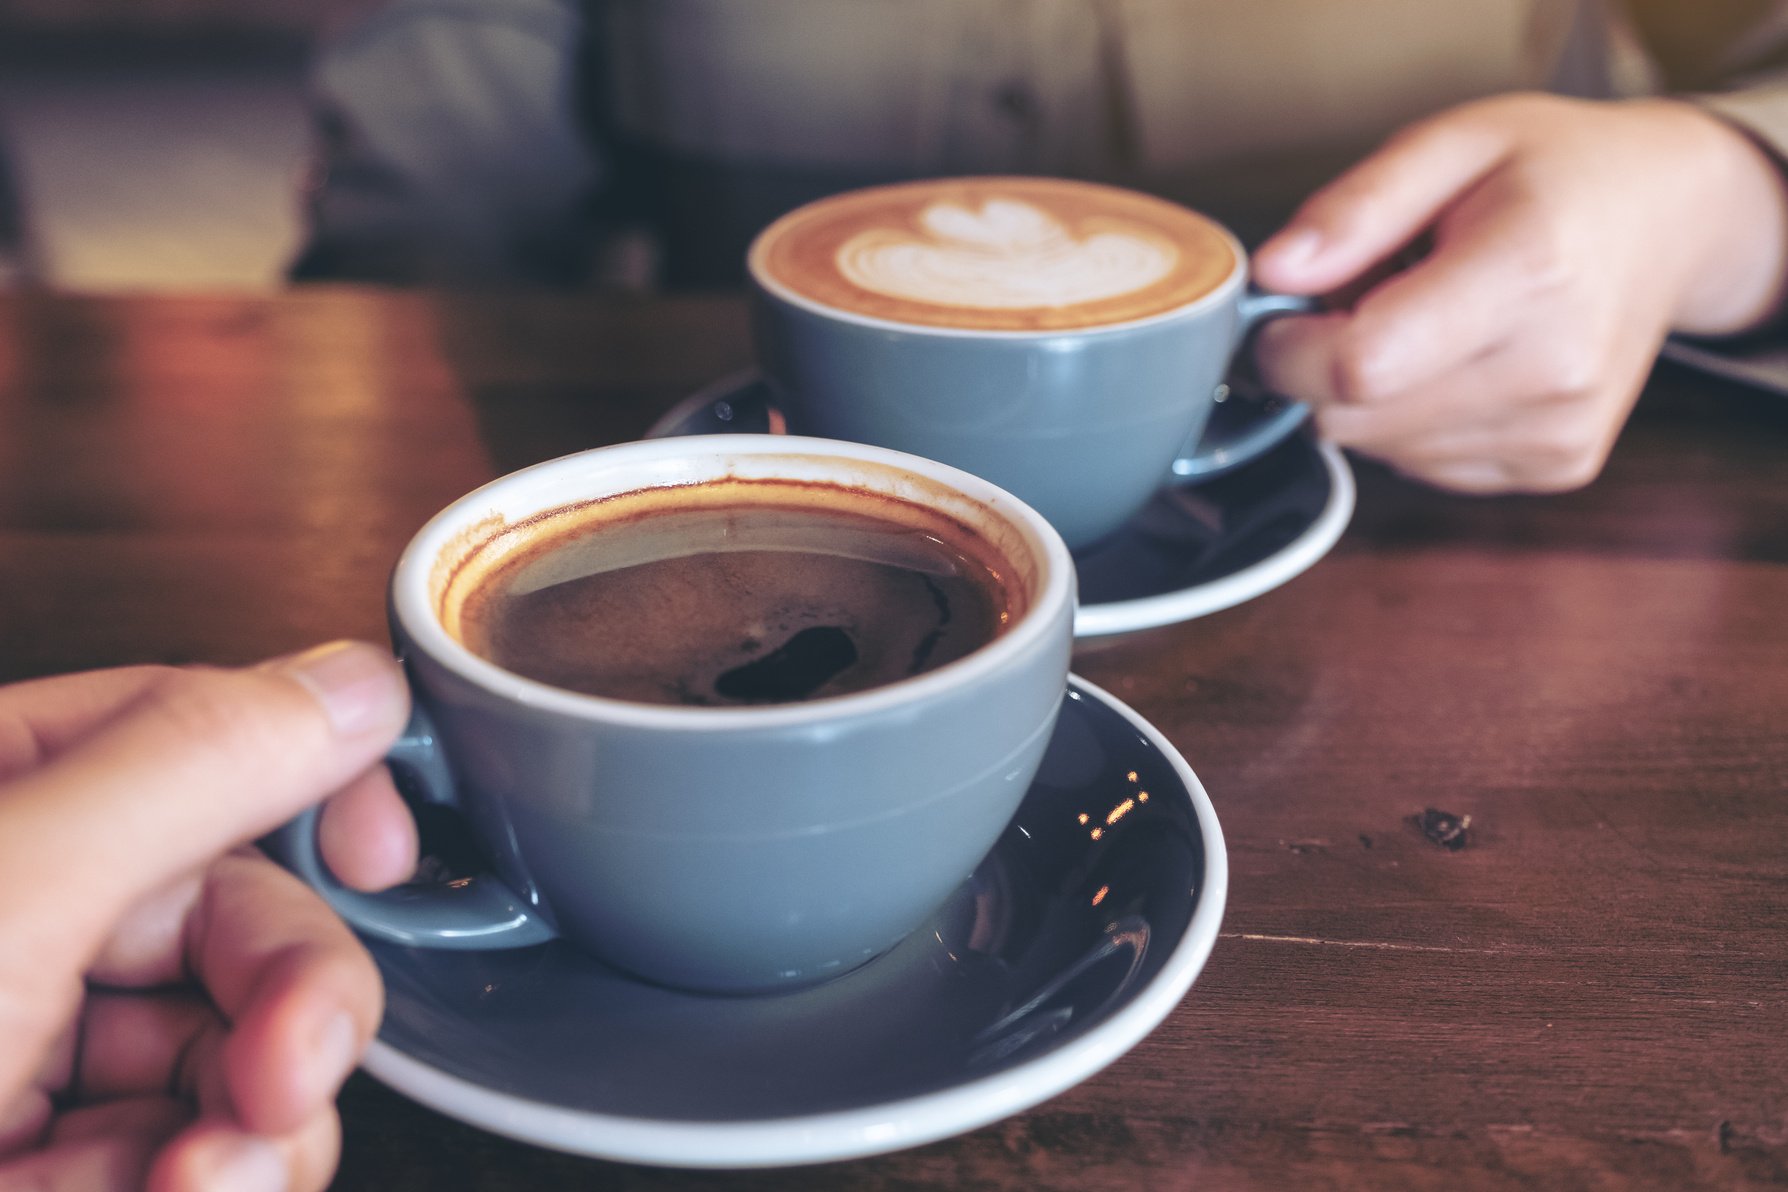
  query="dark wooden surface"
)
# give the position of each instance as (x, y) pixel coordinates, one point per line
(1592, 993)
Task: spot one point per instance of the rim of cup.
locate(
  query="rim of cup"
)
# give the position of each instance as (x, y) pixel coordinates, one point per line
(413, 601)
(1216, 294)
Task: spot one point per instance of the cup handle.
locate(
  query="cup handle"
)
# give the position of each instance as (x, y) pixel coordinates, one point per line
(1231, 441)
(478, 912)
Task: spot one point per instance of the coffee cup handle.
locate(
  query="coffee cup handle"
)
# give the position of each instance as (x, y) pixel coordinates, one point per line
(1230, 440)
(473, 913)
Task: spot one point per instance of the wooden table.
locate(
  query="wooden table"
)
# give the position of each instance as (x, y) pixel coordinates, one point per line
(1592, 992)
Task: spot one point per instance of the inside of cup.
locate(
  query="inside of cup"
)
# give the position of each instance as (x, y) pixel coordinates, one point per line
(477, 535)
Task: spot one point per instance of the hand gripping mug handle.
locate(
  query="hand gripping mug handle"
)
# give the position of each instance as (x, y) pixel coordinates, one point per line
(478, 912)
(1231, 440)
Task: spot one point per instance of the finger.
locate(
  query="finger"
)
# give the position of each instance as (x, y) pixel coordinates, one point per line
(1337, 361)
(1484, 286)
(1496, 275)
(24, 1123)
(367, 835)
(1550, 450)
(212, 1155)
(92, 1165)
(134, 1044)
(1298, 357)
(1469, 477)
(217, 1152)
(104, 1149)
(144, 949)
(292, 1000)
(26, 1115)
(301, 995)
(154, 1117)
(197, 762)
(39, 718)
(1552, 442)
(1502, 385)
(1491, 303)
(1382, 204)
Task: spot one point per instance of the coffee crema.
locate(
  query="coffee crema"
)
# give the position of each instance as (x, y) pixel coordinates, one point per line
(996, 254)
(730, 593)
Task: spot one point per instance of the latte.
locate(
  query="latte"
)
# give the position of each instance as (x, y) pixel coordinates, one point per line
(995, 254)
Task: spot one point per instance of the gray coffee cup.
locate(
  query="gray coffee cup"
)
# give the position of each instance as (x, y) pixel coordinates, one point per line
(727, 849)
(1084, 424)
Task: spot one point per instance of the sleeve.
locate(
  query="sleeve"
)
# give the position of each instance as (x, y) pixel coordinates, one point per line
(1760, 108)
(450, 147)
(1728, 56)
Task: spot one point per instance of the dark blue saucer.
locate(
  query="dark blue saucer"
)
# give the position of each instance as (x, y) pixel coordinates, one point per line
(1079, 933)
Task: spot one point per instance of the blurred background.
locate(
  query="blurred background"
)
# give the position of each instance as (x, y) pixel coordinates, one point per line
(95, 194)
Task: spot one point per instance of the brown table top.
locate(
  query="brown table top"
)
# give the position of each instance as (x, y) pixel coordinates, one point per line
(1593, 992)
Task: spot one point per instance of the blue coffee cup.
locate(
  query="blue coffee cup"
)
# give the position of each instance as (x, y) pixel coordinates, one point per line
(1083, 423)
(727, 849)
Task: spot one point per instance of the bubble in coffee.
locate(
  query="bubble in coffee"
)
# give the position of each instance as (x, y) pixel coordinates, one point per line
(733, 593)
(994, 253)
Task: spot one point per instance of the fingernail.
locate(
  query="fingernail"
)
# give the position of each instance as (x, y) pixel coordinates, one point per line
(357, 684)
(246, 1165)
(334, 1052)
(1295, 247)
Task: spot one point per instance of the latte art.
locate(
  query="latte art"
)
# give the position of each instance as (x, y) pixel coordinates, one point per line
(995, 254)
(1009, 255)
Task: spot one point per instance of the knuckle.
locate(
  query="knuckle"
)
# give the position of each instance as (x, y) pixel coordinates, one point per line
(1569, 363)
(1578, 471)
(1360, 374)
(1576, 368)
(347, 965)
(315, 1152)
(220, 713)
(1352, 426)
(1553, 448)
(1544, 263)
(1563, 461)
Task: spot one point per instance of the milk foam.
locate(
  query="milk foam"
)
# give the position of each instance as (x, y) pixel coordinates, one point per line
(1009, 255)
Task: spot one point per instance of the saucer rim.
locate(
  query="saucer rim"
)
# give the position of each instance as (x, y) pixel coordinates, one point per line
(1238, 587)
(1167, 608)
(866, 1130)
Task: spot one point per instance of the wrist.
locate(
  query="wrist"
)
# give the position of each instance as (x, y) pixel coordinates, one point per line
(1734, 220)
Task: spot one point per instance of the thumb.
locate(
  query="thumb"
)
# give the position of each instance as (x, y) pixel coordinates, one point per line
(1381, 205)
(198, 763)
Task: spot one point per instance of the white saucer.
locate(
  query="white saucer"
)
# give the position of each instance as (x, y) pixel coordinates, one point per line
(1193, 551)
(1081, 931)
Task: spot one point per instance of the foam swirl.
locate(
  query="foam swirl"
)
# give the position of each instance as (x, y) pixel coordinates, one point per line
(1009, 255)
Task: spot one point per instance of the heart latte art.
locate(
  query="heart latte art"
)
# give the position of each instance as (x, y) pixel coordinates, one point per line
(1016, 254)
(1008, 255)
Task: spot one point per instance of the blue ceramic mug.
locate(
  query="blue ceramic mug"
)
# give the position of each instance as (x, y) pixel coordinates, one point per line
(716, 848)
(1066, 340)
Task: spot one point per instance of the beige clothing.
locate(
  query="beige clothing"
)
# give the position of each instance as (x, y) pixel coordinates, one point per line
(736, 109)
(1063, 86)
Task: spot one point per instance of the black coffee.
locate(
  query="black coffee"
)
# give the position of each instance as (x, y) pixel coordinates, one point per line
(766, 593)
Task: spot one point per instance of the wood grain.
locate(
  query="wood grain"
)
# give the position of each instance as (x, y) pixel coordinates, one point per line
(1591, 993)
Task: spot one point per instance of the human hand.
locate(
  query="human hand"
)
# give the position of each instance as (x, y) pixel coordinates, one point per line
(1567, 239)
(178, 1012)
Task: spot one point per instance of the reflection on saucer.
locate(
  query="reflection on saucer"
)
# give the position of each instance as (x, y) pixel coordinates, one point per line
(1079, 933)
(1193, 551)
